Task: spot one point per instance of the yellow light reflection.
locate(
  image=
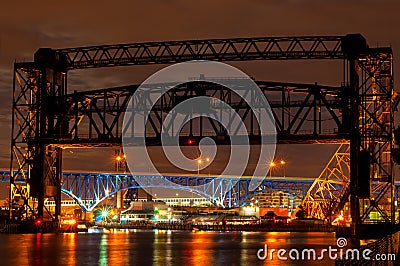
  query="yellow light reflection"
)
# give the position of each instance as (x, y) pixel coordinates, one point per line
(200, 246)
(70, 242)
(117, 251)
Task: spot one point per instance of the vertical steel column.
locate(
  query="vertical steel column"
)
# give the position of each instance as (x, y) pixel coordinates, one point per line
(24, 122)
(352, 46)
(38, 175)
(120, 167)
(58, 179)
(355, 143)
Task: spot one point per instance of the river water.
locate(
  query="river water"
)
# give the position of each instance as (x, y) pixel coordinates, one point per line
(156, 247)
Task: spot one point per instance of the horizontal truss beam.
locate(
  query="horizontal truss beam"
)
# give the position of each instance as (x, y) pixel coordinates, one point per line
(303, 113)
(239, 49)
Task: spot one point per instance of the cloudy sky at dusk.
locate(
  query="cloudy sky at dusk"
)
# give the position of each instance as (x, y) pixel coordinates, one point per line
(26, 26)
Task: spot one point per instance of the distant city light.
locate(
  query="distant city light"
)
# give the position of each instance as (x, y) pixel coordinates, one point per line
(104, 214)
(69, 222)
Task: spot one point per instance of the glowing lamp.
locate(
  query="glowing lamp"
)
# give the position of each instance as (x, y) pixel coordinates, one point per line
(104, 214)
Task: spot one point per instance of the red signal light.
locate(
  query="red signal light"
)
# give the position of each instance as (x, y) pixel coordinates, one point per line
(190, 142)
(38, 222)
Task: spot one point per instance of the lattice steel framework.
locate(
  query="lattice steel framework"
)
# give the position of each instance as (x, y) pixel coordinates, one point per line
(302, 112)
(35, 160)
(330, 191)
(96, 187)
(376, 128)
(46, 118)
(239, 49)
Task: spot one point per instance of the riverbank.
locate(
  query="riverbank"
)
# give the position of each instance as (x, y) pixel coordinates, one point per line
(226, 227)
(267, 227)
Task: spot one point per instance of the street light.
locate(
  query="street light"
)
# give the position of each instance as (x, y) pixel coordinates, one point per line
(199, 162)
(120, 161)
(271, 165)
(208, 160)
(117, 163)
(283, 164)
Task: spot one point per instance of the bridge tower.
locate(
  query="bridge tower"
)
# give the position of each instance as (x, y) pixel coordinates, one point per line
(37, 89)
(371, 126)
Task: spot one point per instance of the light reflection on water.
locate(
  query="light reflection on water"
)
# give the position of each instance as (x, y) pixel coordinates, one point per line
(158, 247)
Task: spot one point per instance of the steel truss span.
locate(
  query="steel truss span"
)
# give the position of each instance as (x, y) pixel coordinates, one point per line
(361, 112)
(239, 49)
(302, 112)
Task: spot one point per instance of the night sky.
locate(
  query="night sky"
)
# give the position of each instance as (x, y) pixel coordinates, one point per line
(26, 26)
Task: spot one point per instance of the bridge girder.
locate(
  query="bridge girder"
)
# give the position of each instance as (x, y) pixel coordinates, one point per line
(238, 49)
(303, 113)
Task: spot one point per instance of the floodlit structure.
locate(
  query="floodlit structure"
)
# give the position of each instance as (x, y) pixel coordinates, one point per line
(48, 117)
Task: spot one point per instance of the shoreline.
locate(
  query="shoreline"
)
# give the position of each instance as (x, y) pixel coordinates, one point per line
(221, 227)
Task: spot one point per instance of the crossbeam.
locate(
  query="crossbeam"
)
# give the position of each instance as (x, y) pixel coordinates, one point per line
(303, 113)
(238, 49)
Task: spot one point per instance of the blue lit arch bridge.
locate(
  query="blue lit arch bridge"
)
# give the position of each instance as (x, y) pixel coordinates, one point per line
(89, 189)
(224, 192)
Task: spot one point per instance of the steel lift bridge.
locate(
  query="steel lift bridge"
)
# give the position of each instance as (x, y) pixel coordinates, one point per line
(360, 113)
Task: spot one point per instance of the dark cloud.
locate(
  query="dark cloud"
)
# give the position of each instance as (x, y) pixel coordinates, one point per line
(27, 25)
